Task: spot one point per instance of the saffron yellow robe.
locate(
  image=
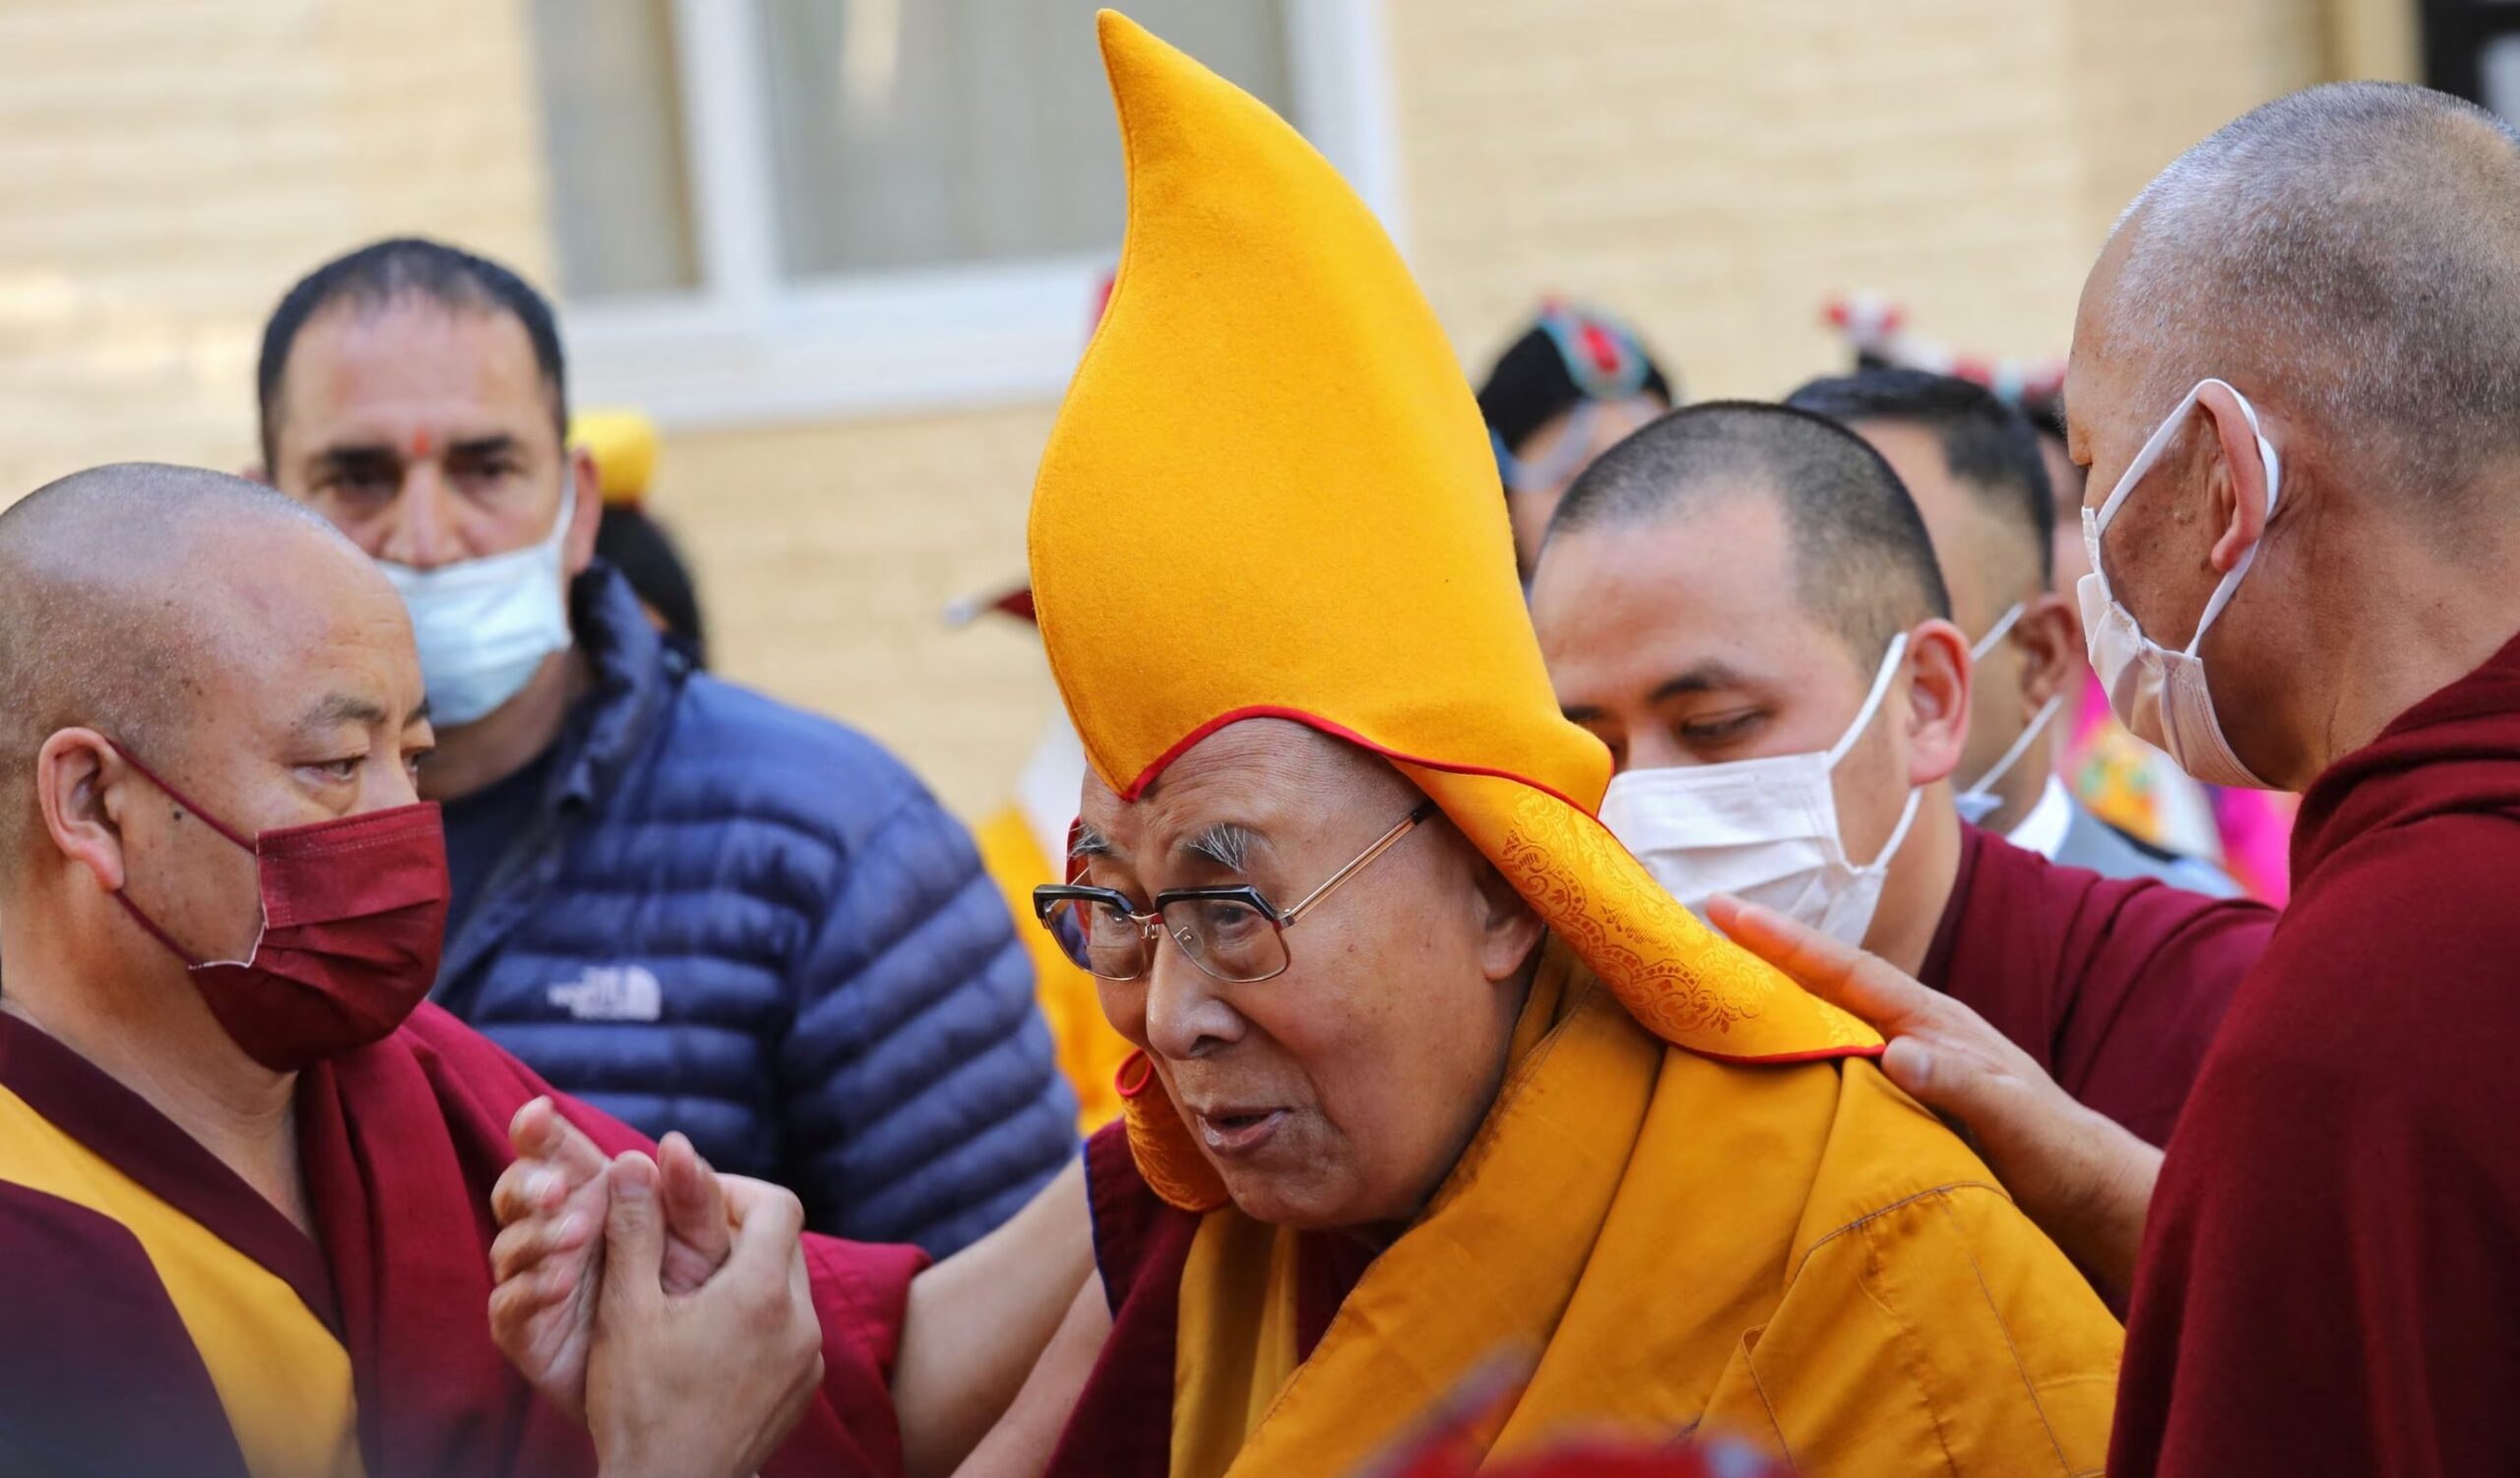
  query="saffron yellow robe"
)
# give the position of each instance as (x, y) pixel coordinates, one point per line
(1797, 1256)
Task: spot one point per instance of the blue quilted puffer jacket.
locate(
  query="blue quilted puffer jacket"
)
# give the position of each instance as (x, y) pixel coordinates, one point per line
(752, 925)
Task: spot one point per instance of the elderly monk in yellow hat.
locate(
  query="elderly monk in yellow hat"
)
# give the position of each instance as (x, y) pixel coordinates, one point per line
(1430, 1071)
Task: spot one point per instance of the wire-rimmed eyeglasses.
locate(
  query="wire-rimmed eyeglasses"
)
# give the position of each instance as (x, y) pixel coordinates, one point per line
(1234, 933)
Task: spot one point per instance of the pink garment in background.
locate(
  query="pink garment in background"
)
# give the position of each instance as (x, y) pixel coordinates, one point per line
(2135, 787)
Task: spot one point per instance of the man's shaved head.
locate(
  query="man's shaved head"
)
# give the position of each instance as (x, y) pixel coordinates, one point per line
(2351, 254)
(117, 591)
(1863, 560)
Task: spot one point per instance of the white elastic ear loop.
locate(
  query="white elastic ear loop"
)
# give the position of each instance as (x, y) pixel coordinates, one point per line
(1897, 834)
(2230, 584)
(1845, 742)
(2151, 451)
(1872, 700)
(2020, 746)
(1995, 633)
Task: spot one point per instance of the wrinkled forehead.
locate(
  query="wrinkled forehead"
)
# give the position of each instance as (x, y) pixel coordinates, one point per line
(410, 366)
(300, 618)
(2100, 366)
(1625, 609)
(1279, 778)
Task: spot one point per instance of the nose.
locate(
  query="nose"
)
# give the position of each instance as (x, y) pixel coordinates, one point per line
(1185, 1017)
(420, 526)
(390, 785)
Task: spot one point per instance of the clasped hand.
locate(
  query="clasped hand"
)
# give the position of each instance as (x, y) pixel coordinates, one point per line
(634, 1294)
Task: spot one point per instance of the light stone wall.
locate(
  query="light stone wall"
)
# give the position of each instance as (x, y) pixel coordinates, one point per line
(1712, 169)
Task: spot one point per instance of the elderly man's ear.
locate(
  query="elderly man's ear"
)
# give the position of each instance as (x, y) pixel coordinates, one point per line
(75, 774)
(1939, 673)
(2049, 635)
(1508, 928)
(2235, 477)
(586, 489)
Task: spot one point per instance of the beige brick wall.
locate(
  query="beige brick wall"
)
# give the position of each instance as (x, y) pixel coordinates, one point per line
(827, 555)
(1712, 167)
(1716, 170)
(168, 166)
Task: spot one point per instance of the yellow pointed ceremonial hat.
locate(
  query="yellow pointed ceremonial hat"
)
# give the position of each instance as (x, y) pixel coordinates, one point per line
(1269, 493)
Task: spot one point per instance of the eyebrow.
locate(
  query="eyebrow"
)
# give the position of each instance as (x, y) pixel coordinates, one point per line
(482, 446)
(1223, 843)
(1089, 843)
(1706, 676)
(385, 451)
(340, 709)
(358, 453)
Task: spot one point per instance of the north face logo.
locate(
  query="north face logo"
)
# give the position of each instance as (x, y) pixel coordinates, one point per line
(612, 993)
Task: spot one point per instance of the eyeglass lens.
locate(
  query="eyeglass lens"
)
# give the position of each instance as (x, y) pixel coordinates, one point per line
(1225, 938)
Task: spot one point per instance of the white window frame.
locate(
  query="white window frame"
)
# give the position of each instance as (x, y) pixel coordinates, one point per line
(749, 348)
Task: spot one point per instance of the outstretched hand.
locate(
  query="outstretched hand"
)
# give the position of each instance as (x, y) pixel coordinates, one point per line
(2083, 1180)
(547, 1260)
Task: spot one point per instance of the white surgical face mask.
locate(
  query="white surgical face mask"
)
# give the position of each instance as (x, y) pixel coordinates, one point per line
(2159, 694)
(1979, 801)
(1763, 830)
(484, 625)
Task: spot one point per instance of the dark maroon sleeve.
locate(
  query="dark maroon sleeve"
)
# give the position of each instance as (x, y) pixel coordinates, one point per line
(862, 1293)
(2156, 968)
(2115, 986)
(98, 1374)
(2328, 1282)
(860, 1289)
(1122, 1425)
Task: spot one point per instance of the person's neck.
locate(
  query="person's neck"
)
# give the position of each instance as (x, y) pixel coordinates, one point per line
(2417, 623)
(489, 749)
(1918, 887)
(157, 1038)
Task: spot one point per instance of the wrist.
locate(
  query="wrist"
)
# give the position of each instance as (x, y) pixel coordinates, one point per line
(2102, 1229)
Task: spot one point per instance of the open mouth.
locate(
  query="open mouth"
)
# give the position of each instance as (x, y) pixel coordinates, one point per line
(1241, 1132)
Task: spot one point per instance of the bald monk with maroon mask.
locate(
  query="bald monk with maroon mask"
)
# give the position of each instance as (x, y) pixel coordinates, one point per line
(245, 1168)
(2295, 381)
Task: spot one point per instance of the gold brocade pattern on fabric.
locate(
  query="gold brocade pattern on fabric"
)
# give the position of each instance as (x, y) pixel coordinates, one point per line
(1619, 924)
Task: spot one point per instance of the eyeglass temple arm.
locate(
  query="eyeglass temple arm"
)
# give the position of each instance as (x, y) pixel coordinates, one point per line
(1408, 823)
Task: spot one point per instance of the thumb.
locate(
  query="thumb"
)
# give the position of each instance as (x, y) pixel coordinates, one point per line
(1910, 1064)
(1957, 1084)
(634, 1239)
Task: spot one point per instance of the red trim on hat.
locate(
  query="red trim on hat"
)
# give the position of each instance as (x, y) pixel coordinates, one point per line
(1315, 721)
(1816, 1054)
(1139, 1063)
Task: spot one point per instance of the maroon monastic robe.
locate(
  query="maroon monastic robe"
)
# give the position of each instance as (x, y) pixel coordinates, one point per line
(401, 1144)
(2115, 985)
(2330, 1280)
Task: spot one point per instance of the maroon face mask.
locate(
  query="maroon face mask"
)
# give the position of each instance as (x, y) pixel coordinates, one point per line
(354, 917)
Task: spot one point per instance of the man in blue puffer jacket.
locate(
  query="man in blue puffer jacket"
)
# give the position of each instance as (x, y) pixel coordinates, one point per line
(690, 905)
